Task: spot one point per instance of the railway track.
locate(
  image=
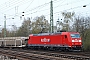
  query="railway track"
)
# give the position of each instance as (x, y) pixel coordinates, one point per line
(68, 55)
(22, 55)
(44, 55)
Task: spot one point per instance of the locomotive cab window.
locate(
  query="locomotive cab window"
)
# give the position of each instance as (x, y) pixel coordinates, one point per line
(75, 35)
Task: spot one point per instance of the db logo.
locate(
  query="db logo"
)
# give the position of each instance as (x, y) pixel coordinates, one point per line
(45, 40)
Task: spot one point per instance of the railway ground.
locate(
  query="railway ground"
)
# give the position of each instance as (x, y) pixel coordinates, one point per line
(22, 54)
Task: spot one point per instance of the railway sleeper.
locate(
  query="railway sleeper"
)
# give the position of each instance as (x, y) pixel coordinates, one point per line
(82, 58)
(70, 57)
(44, 58)
(64, 56)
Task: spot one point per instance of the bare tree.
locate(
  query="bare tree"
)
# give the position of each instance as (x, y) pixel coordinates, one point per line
(24, 30)
(68, 18)
(40, 24)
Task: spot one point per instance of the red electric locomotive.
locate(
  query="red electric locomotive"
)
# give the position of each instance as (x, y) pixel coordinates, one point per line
(57, 41)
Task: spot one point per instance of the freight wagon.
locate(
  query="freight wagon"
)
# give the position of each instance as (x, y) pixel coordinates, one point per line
(13, 42)
(56, 41)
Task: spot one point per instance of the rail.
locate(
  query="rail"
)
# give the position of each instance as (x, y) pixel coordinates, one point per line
(31, 54)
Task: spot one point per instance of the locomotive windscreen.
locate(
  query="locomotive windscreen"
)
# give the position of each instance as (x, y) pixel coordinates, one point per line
(75, 35)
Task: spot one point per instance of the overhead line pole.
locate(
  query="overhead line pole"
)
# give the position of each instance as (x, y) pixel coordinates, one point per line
(51, 16)
(5, 26)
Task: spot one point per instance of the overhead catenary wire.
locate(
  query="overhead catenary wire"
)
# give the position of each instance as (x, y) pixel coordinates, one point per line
(11, 8)
(62, 10)
(73, 2)
(38, 7)
(10, 4)
(67, 9)
(43, 9)
(54, 7)
(29, 5)
(6, 9)
(18, 2)
(36, 10)
(20, 12)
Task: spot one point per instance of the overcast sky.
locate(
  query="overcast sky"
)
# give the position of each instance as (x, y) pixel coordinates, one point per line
(33, 8)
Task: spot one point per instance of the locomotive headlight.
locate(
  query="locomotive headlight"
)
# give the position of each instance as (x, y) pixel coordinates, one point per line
(80, 41)
(72, 40)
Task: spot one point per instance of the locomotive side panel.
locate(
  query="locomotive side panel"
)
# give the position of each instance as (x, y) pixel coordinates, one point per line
(49, 40)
